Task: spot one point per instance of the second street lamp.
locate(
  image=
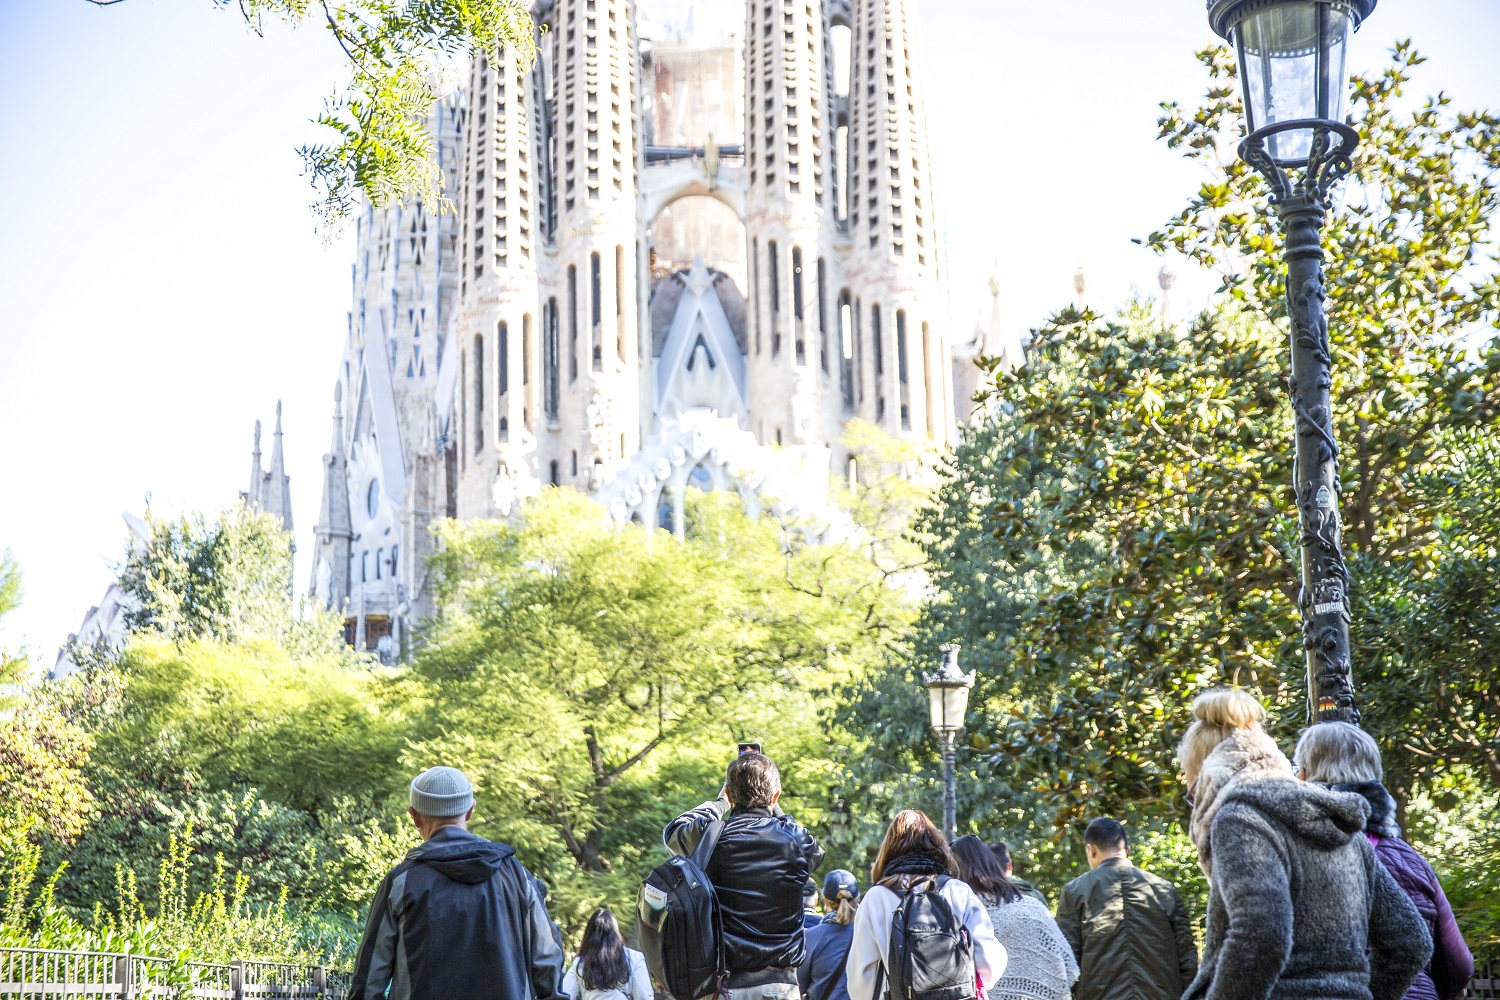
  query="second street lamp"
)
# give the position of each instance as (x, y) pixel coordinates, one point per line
(948, 694)
(1292, 57)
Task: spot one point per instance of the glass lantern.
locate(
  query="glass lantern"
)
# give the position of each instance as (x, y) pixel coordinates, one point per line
(1293, 64)
(948, 693)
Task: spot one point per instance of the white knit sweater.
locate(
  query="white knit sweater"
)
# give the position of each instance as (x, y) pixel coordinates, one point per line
(1040, 963)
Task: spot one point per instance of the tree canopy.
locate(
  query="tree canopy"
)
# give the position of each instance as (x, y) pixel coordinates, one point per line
(594, 679)
(1117, 532)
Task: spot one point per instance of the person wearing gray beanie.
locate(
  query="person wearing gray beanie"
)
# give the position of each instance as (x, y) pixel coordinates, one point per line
(459, 918)
(442, 793)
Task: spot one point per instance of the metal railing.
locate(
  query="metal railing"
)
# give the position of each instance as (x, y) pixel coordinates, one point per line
(1486, 982)
(41, 974)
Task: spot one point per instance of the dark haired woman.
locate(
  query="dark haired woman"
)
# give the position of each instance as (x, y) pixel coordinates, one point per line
(605, 969)
(914, 857)
(1040, 964)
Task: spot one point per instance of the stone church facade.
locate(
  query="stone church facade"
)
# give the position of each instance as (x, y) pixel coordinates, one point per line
(689, 242)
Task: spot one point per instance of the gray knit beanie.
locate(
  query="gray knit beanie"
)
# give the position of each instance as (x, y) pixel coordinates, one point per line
(442, 792)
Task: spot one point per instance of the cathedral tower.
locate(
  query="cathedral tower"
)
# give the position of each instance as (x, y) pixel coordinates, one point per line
(902, 378)
(790, 239)
(592, 354)
(499, 400)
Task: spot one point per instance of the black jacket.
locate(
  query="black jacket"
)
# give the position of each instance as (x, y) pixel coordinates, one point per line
(758, 871)
(458, 919)
(1130, 933)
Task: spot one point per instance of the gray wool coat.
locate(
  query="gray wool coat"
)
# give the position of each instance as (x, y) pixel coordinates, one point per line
(1299, 908)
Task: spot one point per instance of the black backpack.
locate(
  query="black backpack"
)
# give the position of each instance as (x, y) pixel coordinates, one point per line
(931, 954)
(681, 934)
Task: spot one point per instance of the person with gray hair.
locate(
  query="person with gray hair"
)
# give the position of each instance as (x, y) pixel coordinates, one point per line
(1345, 758)
(459, 918)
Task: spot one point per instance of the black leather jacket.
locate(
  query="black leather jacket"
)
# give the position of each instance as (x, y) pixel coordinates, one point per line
(758, 870)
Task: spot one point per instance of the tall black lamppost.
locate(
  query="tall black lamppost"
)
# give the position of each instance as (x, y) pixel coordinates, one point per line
(948, 693)
(1293, 77)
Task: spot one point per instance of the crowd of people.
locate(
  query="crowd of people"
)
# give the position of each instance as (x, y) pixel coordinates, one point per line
(1313, 895)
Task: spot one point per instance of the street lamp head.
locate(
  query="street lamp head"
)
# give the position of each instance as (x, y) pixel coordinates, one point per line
(948, 693)
(1293, 66)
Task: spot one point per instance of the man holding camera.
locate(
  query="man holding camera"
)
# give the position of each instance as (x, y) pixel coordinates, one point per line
(762, 861)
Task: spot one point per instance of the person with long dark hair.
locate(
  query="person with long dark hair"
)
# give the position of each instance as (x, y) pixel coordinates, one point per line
(605, 969)
(1039, 963)
(914, 857)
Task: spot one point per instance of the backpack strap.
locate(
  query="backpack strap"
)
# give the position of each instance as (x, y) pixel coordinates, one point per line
(706, 844)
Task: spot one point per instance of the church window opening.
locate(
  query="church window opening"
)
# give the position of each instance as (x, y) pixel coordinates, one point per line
(555, 474)
(572, 324)
(857, 314)
(773, 268)
(551, 390)
(755, 287)
(502, 359)
(875, 343)
(797, 282)
(379, 558)
(700, 478)
(620, 302)
(526, 354)
(901, 345)
(478, 393)
(822, 316)
(372, 498)
(846, 352)
(395, 551)
(927, 378)
(596, 330)
(364, 566)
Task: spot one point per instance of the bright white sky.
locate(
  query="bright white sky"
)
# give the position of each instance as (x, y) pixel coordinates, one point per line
(162, 285)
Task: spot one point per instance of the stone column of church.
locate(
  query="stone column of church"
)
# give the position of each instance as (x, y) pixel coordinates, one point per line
(592, 272)
(786, 117)
(904, 354)
(496, 401)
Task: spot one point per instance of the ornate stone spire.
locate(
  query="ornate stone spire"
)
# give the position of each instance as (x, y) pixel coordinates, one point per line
(334, 530)
(276, 493)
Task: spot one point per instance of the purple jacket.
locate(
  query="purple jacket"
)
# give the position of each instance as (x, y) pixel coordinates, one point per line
(1452, 965)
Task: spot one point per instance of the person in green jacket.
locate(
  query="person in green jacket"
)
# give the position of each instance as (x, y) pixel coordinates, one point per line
(1128, 928)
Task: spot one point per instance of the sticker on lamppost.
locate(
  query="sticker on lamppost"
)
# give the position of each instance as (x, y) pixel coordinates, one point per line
(1324, 497)
(1328, 597)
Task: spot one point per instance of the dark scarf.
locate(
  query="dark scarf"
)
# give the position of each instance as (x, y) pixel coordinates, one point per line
(1382, 821)
(913, 864)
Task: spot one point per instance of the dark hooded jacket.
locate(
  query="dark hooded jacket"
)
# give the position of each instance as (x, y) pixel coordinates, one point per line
(1130, 933)
(458, 919)
(1298, 907)
(1452, 964)
(758, 869)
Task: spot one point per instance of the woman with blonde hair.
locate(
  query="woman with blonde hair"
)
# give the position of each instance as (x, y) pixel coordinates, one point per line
(914, 857)
(1298, 906)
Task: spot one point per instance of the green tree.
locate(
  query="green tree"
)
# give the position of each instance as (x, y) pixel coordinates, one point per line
(227, 578)
(277, 763)
(42, 753)
(398, 53)
(593, 679)
(1117, 533)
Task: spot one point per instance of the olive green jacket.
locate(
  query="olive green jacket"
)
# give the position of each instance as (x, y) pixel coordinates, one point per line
(1130, 934)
